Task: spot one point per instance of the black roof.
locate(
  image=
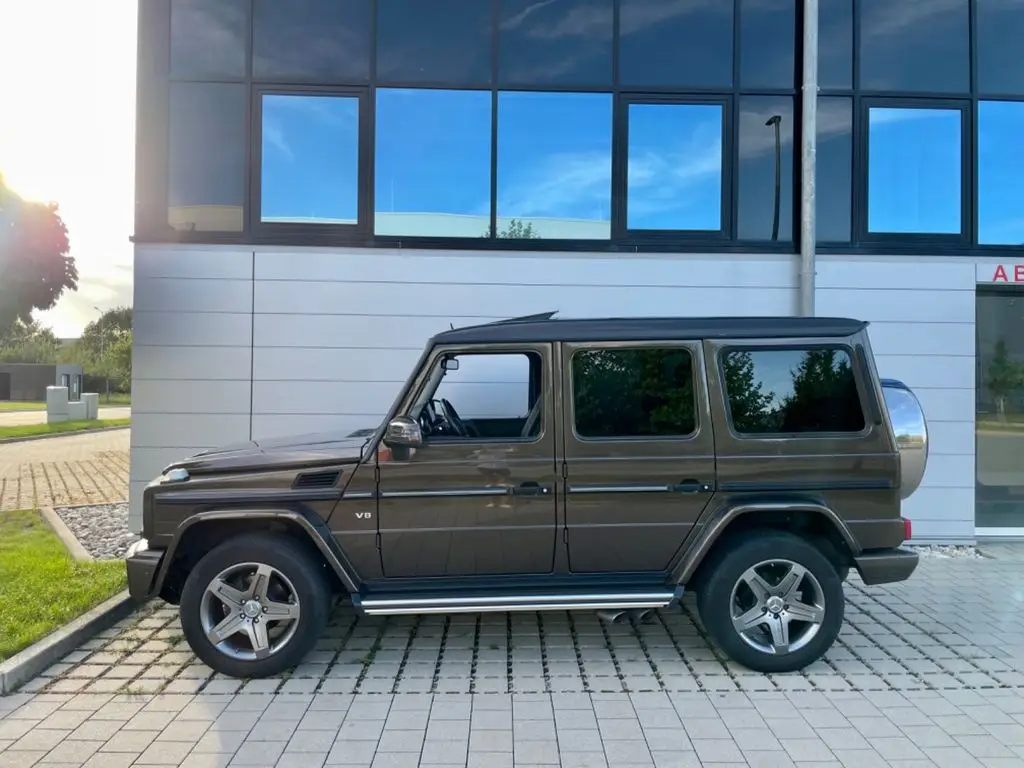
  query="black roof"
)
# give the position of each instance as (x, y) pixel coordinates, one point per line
(544, 327)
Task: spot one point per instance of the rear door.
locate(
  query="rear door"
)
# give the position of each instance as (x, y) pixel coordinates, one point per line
(639, 461)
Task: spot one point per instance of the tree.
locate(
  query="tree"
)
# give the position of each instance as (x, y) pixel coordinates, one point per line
(29, 343)
(103, 332)
(516, 230)
(35, 268)
(116, 364)
(752, 409)
(1005, 377)
(824, 388)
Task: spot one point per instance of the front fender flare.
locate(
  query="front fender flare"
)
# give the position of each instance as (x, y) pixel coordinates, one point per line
(310, 524)
(711, 529)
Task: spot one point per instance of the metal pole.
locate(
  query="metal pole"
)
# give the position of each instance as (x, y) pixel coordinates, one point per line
(809, 156)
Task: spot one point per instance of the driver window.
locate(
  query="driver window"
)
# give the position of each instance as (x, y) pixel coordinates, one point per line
(485, 397)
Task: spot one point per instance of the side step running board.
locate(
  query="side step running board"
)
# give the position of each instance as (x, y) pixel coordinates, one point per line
(566, 601)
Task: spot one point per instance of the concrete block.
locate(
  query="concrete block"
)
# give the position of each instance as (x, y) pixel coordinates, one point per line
(56, 404)
(76, 411)
(92, 405)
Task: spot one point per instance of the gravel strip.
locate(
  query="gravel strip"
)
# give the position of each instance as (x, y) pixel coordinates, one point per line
(948, 551)
(101, 528)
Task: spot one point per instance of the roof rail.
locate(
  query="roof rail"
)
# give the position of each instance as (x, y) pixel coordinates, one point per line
(540, 317)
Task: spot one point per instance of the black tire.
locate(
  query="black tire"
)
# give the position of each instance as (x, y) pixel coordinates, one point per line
(289, 558)
(723, 572)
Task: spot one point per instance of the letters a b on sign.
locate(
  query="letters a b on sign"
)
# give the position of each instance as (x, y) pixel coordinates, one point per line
(1008, 273)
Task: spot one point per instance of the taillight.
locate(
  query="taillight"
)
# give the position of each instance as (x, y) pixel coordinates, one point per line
(908, 532)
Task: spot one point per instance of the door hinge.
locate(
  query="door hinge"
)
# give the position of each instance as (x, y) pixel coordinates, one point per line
(376, 473)
(565, 470)
(378, 541)
(565, 534)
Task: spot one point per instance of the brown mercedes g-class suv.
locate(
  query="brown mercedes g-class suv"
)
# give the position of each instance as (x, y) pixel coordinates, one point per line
(561, 464)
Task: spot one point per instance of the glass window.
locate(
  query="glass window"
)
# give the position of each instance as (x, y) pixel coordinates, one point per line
(442, 41)
(206, 157)
(767, 43)
(999, 44)
(766, 168)
(433, 163)
(791, 391)
(633, 393)
(554, 165)
(483, 397)
(311, 39)
(675, 167)
(1000, 181)
(915, 45)
(685, 43)
(208, 38)
(310, 159)
(914, 170)
(835, 44)
(566, 42)
(999, 420)
(834, 188)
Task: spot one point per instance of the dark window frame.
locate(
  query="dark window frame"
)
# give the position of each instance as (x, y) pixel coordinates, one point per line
(862, 182)
(860, 384)
(285, 232)
(570, 373)
(620, 171)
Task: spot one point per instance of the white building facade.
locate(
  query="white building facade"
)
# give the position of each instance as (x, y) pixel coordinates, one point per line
(323, 185)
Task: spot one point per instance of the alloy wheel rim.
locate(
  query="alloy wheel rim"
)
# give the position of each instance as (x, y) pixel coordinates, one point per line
(249, 611)
(777, 606)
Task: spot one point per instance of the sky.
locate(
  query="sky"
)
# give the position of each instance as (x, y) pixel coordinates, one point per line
(68, 135)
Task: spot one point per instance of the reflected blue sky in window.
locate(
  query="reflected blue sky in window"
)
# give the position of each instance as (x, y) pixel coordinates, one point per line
(1001, 173)
(675, 167)
(555, 163)
(310, 159)
(433, 163)
(914, 171)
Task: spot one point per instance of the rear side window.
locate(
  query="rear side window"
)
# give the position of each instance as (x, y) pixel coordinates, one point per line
(633, 393)
(791, 391)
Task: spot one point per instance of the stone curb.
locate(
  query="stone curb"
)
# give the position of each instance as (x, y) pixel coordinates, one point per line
(8, 440)
(64, 533)
(24, 666)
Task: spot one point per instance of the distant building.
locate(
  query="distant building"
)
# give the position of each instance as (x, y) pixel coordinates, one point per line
(27, 382)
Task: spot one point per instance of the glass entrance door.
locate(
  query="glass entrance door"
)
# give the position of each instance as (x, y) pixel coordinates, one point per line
(999, 412)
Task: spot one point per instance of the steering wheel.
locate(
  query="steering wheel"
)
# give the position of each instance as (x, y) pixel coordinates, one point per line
(463, 429)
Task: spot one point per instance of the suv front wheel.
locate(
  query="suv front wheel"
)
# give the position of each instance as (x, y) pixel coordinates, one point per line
(254, 606)
(772, 601)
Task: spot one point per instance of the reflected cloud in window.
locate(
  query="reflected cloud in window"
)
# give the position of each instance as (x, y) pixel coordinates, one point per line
(206, 157)
(208, 38)
(1001, 173)
(433, 163)
(675, 43)
(914, 170)
(555, 42)
(1000, 45)
(915, 45)
(311, 39)
(554, 165)
(675, 167)
(310, 162)
(767, 43)
(441, 41)
(766, 168)
(835, 44)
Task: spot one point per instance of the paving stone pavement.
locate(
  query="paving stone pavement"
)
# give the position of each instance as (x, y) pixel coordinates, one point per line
(925, 674)
(65, 471)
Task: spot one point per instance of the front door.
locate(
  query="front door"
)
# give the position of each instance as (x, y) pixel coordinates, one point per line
(478, 498)
(639, 453)
(5, 386)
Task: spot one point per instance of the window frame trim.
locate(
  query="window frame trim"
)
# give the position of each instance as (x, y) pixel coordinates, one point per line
(771, 346)
(862, 182)
(327, 233)
(621, 232)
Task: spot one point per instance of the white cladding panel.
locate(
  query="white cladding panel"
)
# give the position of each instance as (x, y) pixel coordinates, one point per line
(235, 344)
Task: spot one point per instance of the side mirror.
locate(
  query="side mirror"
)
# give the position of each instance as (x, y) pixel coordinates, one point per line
(450, 364)
(403, 432)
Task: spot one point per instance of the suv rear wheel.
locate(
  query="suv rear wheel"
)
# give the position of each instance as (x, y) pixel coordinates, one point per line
(772, 601)
(254, 606)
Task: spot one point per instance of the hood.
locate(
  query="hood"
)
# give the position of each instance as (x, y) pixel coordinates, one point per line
(309, 450)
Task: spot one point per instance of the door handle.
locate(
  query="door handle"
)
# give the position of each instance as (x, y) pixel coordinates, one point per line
(531, 488)
(690, 486)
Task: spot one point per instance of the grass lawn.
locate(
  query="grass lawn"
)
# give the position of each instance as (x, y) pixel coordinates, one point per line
(116, 401)
(41, 586)
(31, 430)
